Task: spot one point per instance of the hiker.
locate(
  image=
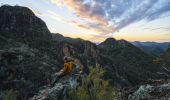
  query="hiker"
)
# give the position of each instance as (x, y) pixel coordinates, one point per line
(68, 63)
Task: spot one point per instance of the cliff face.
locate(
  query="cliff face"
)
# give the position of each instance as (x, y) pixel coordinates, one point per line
(20, 22)
(24, 64)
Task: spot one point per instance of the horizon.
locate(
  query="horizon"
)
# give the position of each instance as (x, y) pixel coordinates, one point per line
(144, 21)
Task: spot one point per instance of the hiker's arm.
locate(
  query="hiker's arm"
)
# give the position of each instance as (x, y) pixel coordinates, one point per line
(65, 68)
(62, 70)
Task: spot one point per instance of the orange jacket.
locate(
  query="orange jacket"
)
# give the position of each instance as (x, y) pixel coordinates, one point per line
(67, 68)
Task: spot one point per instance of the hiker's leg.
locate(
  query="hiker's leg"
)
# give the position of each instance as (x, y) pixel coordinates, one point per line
(56, 79)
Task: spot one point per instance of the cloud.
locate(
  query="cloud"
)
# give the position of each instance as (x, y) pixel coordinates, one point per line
(108, 16)
(90, 12)
(159, 28)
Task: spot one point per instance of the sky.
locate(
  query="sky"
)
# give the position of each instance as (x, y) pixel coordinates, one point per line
(96, 20)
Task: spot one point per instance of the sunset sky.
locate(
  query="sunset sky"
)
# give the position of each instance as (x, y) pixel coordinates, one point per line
(96, 20)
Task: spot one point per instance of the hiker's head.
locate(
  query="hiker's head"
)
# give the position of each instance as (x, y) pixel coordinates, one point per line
(65, 59)
(68, 59)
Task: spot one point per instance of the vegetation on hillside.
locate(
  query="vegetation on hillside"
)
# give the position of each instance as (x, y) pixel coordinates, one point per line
(10, 95)
(164, 59)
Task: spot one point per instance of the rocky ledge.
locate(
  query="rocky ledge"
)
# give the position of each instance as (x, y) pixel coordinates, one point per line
(59, 91)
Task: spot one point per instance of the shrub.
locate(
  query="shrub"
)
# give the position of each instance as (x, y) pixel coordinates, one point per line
(93, 87)
(10, 95)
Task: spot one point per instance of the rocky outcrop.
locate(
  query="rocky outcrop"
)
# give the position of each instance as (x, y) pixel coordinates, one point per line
(59, 91)
(152, 92)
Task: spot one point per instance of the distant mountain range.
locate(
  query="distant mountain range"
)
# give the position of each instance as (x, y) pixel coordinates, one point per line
(153, 48)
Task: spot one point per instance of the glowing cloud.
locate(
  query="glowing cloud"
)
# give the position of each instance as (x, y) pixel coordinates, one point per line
(108, 16)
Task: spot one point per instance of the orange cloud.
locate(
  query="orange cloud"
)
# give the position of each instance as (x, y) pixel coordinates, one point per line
(100, 29)
(83, 11)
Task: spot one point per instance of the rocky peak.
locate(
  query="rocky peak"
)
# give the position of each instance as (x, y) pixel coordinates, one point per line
(20, 22)
(6, 9)
(111, 42)
(108, 41)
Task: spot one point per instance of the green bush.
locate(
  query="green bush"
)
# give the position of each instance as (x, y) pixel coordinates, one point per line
(93, 87)
(10, 95)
